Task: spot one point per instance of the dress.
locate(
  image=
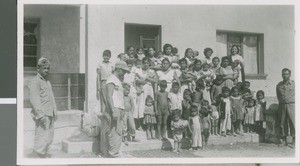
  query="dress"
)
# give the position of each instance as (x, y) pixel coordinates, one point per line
(147, 90)
(178, 128)
(226, 72)
(225, 110)
(237, 108)
(260, 108)
(196, 131)
(249, 117)
(168, 75)
(149, 115)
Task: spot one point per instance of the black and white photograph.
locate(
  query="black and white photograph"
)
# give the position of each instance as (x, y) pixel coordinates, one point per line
(159, 82)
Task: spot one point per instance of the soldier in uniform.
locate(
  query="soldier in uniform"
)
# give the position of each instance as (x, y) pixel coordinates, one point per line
(43, 108)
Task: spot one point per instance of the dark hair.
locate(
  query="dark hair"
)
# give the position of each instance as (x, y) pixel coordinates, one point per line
(236, 46)
(206, 50)
(128, 48)
(165, 59)
(107, 53)
(148, 98)
(205, 64)
(174, 50)
(156, 53)
(140, 48)
(260, 92)
(204, 101)
(197, 61)
(194, 106)
(200, 83)
(215, 58)
(251, 100)
(125, 85)
(286, 69)
(225, 89)
(246, 82)
(182, 60)
(175, 84)
(175, 113)
(130, 62)
(163, 83)
(166, 46)
(233, 88)
(146, 59)
(186, 91)
(186, 51)
(121, 54)
(225, 58)
(148, 50)
(137, 61)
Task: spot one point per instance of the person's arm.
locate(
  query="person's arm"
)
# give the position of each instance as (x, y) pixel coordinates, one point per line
(277, 92)
(155, 103)
(34, 97)
(211, 94)
(209, 124)
(177, 78)
(109, 93)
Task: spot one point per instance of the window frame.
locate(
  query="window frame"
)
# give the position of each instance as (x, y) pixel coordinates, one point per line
(260, 57)
(38, 44)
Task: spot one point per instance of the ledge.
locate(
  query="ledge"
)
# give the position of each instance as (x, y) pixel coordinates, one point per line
(256, 76)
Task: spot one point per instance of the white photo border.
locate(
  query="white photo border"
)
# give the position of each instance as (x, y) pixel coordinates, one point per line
(21, 160)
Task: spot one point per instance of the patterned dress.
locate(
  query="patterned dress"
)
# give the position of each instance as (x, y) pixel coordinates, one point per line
(249, 117)
(149, 115)
(237, 108)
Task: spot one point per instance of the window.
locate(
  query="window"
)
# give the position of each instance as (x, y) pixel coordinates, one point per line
(251, 49)
(31, 36)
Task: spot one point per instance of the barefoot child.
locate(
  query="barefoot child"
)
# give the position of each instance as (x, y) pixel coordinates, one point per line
(178, 126)
(237, 111)
(162, 109)
(206, 127)
(149, 118)
(214, 116)
(127, 118)
(195, 128)
(186, 107)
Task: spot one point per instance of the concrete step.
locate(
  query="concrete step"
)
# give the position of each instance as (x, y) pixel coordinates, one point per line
(144, 144)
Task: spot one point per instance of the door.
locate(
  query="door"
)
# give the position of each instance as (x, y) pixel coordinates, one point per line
(143, 35)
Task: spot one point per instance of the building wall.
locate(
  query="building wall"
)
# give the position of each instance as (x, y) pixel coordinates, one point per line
(194, 27)
(59, 35)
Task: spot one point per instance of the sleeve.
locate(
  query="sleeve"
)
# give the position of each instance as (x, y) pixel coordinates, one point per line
(53, 99)
(35, 101)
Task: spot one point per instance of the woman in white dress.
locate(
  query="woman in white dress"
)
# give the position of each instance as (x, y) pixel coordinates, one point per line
(168, 74)
(236, 56)
(144, 79)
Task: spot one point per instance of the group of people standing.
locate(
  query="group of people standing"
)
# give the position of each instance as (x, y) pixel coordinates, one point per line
(167, 96)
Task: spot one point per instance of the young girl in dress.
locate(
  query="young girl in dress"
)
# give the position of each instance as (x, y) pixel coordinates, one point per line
(225, 112)
(149, 118)
(237, 111)
(178, 126)
(259, 111)
(249, 116)
(195, 128)
(227, 73)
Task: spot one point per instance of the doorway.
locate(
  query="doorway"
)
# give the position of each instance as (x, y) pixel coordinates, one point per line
(143, 35)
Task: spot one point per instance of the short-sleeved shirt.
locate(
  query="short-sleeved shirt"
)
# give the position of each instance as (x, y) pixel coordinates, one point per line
(286, 92)
(175, 100)
(106, 70)
(118, 96)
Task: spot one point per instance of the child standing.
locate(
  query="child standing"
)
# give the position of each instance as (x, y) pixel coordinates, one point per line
(175, 98)
(225, 112)
(195, 128)
(214, 116)
(249, 117)
(260, 108)
(237, 111)
(149, 118)
(104, 70)
(127, 118)
(216, 89)
(186, 107)
(206, 127)
(162, 109)
(197, 96)
(178, 126)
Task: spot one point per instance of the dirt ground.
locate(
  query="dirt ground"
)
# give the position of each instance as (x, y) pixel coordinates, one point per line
(236, 150)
